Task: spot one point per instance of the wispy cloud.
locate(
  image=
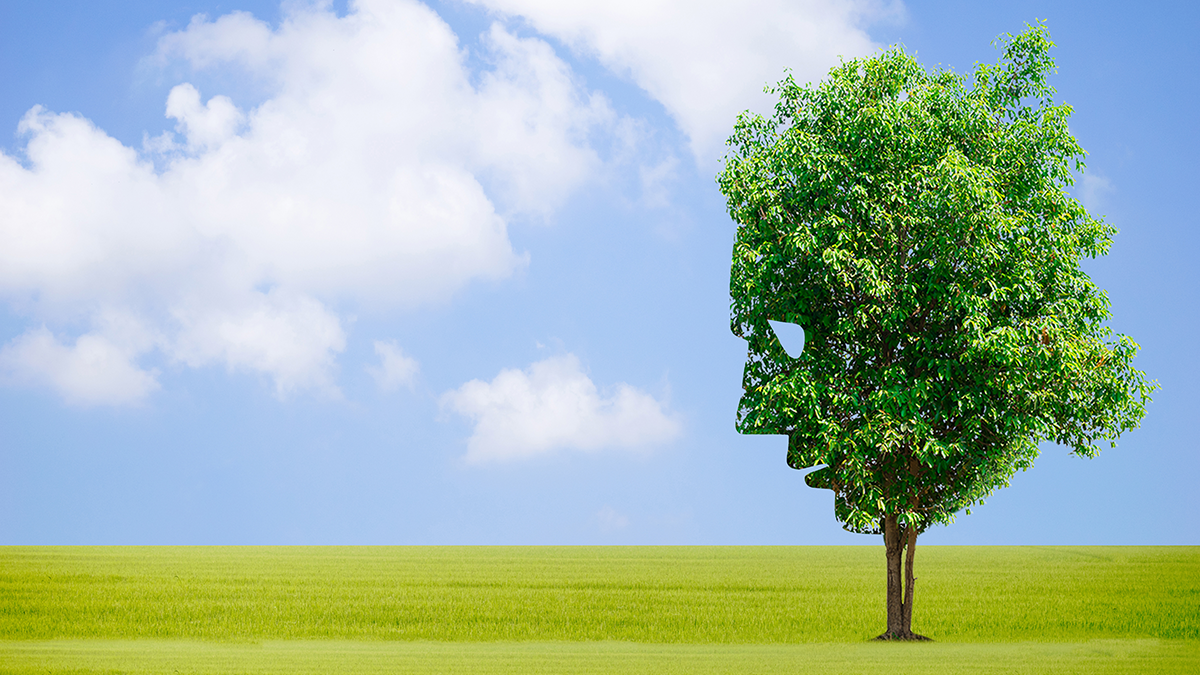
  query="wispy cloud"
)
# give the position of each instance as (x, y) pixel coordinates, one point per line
(610, 520)
(1094, 191)
(395, 369)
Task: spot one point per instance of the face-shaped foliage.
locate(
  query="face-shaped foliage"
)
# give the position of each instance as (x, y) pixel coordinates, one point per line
(918, 230)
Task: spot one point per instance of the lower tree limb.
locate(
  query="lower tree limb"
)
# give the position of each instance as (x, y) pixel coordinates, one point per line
(910, 587)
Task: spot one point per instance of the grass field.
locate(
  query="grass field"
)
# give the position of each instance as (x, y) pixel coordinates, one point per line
(592, 609)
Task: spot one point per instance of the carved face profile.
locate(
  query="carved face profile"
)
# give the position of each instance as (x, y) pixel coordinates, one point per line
(790, 385)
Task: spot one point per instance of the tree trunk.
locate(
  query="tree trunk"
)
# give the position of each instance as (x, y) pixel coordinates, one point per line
(899, 607)
(893, 544)
(909, 583)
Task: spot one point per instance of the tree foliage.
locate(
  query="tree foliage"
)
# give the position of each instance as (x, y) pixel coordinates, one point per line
(916, 224)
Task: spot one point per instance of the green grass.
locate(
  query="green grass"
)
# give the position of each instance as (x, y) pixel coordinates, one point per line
(329, 657)
(568, 609)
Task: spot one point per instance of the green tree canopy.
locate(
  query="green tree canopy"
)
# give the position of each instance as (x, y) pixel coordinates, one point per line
(918, 228)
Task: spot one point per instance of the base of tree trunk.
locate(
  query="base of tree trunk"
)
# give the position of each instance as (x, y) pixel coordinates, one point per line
(904, 637)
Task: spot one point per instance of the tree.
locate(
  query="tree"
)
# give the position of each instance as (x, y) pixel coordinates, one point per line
(919, 231)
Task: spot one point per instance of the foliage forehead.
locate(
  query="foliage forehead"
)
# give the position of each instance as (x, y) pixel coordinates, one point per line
(918, 229)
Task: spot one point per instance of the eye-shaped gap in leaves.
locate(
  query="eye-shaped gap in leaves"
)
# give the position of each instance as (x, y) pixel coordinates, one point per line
(790, 335)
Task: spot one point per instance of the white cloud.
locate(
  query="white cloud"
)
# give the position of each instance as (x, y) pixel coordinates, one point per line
(204, 126)
(285, 335)
(395, 368)
(553, 405)
(94, 371)
(359, 179)
(708, 61)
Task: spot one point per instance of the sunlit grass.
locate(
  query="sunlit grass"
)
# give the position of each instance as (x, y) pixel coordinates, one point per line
(692, 595)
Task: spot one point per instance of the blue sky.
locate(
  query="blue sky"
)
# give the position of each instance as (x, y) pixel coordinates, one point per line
(457, 273)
